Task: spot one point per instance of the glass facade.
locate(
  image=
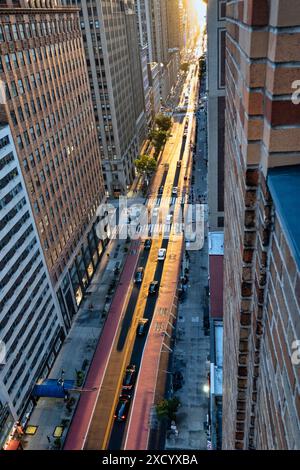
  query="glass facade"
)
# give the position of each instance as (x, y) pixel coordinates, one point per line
(85, 264)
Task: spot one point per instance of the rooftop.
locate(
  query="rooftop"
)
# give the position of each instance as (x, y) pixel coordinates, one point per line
(216, 243)
(284, 186)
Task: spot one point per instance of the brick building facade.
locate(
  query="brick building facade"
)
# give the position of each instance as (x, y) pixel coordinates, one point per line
(49, 109)
(261, 385)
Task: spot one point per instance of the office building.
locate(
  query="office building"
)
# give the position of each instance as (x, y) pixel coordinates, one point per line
(31, 326)
(174, 17)
(142, 15)
(154, 81)
(109, 30)
(49, 109)
(216, 32)
(261, 381)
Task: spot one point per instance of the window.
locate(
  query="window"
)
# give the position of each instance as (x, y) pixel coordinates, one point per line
(27, 56)
(33, 54)
(25, 165)
(7, 32)
(37, 155)
(27, 29)
(33, 30)
(19, 142)
(27, 111)
(32, 78)
(33, 107)
(21, 31)
(27, 83)
(20, 112)
(14, 60)
(26, 137)
(13, 87)
(21, 58)
(13, 118)
(7, 62)
(32, 133)
(15, 32)
(20, 85)
(38, 79)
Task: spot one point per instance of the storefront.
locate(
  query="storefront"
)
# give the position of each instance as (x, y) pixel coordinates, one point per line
(85, 264)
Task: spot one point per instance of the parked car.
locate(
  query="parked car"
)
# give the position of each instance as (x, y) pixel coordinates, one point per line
(142, 327)
(122, 408)
(129, 377)
(117, 268)
(139, 275)
(161, 254)
(147, 244)
(153, 287)
(174, 191)
(179, 164)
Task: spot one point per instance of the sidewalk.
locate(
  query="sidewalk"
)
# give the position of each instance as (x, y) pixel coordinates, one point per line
(192, 345)
(77, 350)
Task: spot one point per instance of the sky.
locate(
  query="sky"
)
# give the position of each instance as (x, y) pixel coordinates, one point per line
(201, 10)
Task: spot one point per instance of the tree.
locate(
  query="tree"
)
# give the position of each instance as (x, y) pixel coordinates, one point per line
(164, 123)
(145, 165)
(158, 138)
(185, 66)
(167, 408)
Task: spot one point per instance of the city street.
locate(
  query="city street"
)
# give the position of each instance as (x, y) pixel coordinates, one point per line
(191, 348)
(93, 426)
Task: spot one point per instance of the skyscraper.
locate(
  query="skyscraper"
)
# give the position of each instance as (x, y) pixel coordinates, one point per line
(216, 32)
(175, 31)
(111, 47)
(31, 325)
(143, 24)
(49, 110)
(261, 386)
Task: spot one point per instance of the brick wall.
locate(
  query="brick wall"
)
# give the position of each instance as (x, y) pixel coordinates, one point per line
(278, 403)
(261, 131)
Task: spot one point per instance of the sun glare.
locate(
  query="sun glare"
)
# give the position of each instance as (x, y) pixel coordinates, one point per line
(200, 7)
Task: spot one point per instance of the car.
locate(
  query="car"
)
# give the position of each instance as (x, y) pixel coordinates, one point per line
(142, 327)
(129, 377)
(169, 219)
(153, 287)
(179, 164)
(174, 191)
(147, 244)
(122, 408)
(161, 254)
(139, 275)
(117, 268)
(161, 190)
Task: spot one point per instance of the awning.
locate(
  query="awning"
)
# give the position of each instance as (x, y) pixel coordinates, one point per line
(52, 388)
